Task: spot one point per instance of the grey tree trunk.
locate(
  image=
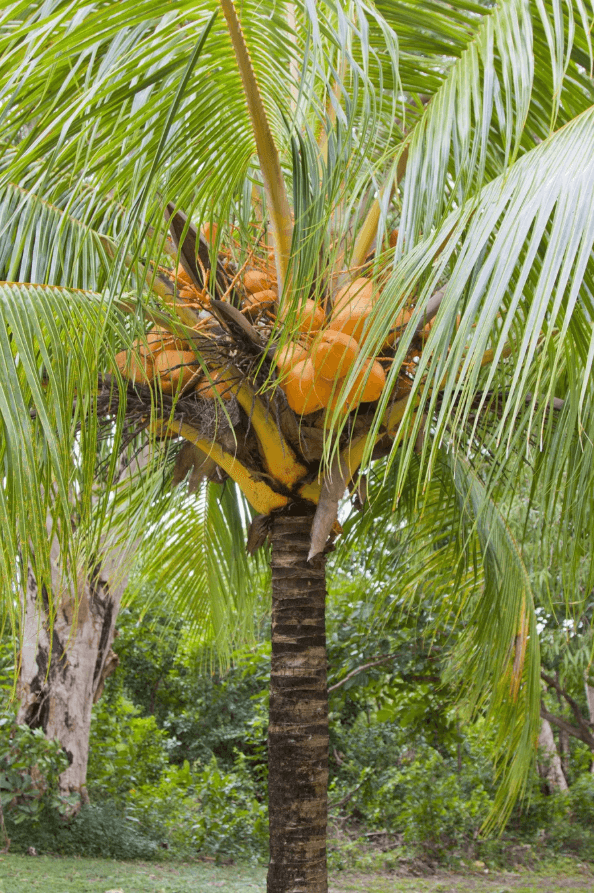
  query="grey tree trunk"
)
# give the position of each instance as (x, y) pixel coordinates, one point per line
(298, 723)
(590, 701)
(550, 767)
(64, 664)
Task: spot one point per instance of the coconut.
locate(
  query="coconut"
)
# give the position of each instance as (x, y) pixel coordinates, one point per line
(255, 281)
(309, 317)
(210, 232)
(333, 354)
(368, 384)
(135, 367)
(289, 355)
(256, 303)
(352, 306)
(176, 368)
(219, 384)
(182, 277)
(306, 393)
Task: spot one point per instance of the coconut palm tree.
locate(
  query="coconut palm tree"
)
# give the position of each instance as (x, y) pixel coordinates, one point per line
(319, 237)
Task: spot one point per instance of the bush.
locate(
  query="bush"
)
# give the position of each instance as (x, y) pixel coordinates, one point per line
(30, 766)
(126, 750)
(103, 830)
(205, 810)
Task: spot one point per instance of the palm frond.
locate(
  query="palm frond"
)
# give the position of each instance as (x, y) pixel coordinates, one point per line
(453, 550)
(195, 556)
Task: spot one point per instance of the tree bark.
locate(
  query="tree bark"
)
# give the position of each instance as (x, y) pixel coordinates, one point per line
(551, 768)
(298, 724)
(64, 664)
(590, 702)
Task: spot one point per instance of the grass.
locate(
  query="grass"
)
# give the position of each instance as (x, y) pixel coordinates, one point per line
(47, 874)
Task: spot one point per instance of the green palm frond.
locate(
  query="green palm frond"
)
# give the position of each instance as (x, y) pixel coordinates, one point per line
(453, 549)
(43, 243)
(53, 344)
(196, 557)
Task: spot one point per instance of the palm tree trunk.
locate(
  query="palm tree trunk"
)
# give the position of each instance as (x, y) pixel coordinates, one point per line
(298, 724)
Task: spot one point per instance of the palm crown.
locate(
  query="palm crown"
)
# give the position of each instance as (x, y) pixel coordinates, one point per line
(298, 336)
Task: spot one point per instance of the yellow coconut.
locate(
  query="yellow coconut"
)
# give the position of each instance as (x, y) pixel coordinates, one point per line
(255, 281)
(176, 368)
(289, 355)
(306, 393)
(333, 354)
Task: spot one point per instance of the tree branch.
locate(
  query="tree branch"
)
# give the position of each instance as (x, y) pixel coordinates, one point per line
(584, 725)
(579, 733)
(413, 677)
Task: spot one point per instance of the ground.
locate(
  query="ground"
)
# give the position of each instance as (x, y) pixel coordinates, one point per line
(29, 874)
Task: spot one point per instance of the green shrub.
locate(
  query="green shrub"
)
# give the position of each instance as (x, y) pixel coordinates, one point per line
(99, 830)
(126, 750)
(30, 766)
(205, 811)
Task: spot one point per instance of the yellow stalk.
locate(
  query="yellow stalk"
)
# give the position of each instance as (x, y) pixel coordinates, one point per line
(366, 235)
(331, 114)
(395, 414)
(259, 495)
(279, 459)
(276, 193)
(368, 230)
(350, 459)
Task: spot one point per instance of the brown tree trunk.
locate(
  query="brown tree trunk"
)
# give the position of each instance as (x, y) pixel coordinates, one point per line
(298, 724)
(64, 664)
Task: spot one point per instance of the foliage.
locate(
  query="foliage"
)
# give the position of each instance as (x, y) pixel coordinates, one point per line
(128, 750)
(469, 126)
(30, 766)
(206, 810)
(99, 829)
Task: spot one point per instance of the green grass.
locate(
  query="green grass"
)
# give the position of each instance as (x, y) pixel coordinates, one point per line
(46, 874)
(30, 874)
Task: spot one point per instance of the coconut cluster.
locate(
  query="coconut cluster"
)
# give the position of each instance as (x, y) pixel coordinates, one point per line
(313, 368)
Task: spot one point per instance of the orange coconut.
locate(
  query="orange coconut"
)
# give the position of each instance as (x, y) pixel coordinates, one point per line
(368, 384)
(175, 369)
(261, 300)
(289, 355)
(309, 317)
(182, 277)
(306, 393)
(333, 354)
(352, 306)
(210, 232)
(219, 384)
(156, 340)
(256, 280)
(135, 367)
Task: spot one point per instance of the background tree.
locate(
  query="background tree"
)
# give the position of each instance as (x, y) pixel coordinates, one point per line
(478, 312)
